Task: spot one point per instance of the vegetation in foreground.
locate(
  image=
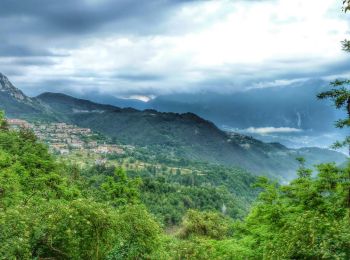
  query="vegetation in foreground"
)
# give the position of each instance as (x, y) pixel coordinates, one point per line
(52, 211)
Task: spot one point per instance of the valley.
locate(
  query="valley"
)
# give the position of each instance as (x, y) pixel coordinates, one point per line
(185, 136)
(183, 156)
(174, 177)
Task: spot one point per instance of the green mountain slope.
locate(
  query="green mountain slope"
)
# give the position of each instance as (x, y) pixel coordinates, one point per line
(178, 135)
(185, 135)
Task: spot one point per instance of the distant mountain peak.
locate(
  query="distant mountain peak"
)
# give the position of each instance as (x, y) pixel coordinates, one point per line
(17, 104)
(7, 87)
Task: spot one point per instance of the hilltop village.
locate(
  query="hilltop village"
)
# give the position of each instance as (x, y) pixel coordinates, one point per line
(64, 139)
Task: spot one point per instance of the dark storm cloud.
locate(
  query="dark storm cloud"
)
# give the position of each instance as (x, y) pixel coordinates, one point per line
(60, 85)
(272, 74)
(140, 77)
(33, 28)
(78, 86)
(13, 50)
(31, 61)
(329, 69)
(80, 16)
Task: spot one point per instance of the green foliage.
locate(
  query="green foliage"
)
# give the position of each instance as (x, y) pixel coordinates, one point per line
(120, 190)
(47, 210)
(182, 136)
(306, 219)
(55, 211)
(303, 172)
(3, 122)
(340, 94)
(207, 224)
(27, 168)
(346, 5)
(170, 201)
(79, 229)
(208, 249)
(169, 195)
(139, 237)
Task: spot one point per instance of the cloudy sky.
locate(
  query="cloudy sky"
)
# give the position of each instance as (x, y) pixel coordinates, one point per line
(133, 48)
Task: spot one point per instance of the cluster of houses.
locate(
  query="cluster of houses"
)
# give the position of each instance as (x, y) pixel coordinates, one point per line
(18, 123)
(64, 138)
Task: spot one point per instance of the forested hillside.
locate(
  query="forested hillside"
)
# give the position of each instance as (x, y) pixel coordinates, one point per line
(185, 136)
(50, 210)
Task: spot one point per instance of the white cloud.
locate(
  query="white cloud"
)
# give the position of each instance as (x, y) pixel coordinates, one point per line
(233, 42)
(141, 98)
(271, 130)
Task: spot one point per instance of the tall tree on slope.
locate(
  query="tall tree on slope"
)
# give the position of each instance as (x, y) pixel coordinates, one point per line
(339, 94)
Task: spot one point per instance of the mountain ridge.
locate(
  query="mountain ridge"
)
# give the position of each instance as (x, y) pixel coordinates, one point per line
(293, 105)
(17, 104)
(185, 135)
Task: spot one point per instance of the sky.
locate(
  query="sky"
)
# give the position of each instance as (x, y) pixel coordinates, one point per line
(143, 49)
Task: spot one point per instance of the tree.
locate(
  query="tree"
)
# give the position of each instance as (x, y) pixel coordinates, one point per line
(339, 94)
(51, 211)
(139, 235)
(305, 219)
(3, 122)
(120, 190)
(346, 5)
(207, 224)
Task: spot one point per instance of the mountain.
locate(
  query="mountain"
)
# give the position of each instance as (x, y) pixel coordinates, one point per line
(118, 102)
(184, 135)
(65, 104)
(292, 106)
(289, 114)
(17, 104)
